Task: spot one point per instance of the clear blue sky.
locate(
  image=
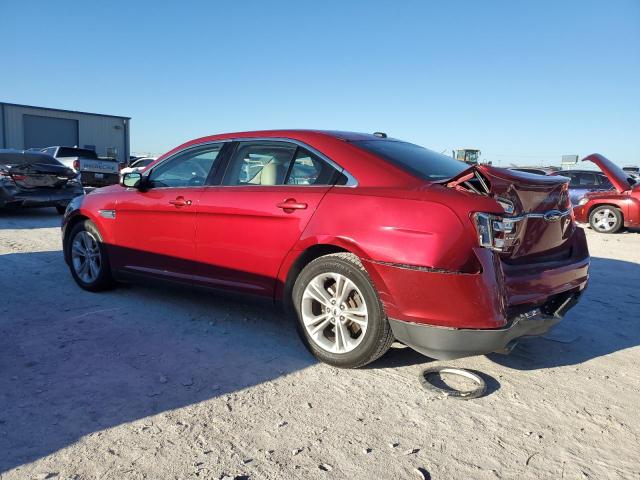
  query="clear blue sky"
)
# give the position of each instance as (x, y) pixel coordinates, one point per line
(523, 81)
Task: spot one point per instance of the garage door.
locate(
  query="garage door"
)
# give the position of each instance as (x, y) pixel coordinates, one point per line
(40, 132)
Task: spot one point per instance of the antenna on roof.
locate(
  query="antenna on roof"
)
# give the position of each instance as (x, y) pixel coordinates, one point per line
(380, 134)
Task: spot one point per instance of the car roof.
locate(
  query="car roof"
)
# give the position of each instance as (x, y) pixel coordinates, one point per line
(297, 134)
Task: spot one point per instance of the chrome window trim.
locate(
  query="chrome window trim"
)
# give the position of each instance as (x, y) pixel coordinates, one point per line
(351, 180)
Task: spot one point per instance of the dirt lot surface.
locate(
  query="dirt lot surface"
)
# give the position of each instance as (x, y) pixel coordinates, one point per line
(146, 382)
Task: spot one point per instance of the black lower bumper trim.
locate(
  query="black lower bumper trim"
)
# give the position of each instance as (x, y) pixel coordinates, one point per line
(444, 343)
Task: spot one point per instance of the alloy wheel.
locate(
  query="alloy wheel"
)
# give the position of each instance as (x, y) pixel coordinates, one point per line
(85, 256)
(604, 220)
(334, 312)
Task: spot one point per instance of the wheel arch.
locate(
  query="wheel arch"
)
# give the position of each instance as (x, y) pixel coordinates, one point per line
(300, 260)
(69, 226)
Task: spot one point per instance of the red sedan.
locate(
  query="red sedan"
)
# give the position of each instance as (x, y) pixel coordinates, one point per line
(365, 239)
(610, 211)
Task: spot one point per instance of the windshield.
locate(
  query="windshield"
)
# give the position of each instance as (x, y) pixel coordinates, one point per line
(417, 160)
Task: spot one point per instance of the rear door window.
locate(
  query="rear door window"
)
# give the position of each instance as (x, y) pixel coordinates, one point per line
(259, 163)
(309, 169)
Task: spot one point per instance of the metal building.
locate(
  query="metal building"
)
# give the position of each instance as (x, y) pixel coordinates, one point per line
(24, 126)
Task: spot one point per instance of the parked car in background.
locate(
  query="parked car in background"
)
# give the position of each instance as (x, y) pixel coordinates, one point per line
(366, 239)
(137, 165)
(34, 179)
(536, 170)
(94, 171)
(609, 212)
(583, 182)
(634, 172)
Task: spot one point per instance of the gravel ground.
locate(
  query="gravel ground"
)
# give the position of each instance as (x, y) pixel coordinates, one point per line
(147, 382)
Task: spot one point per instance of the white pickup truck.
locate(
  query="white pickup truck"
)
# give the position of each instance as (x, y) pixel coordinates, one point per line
(94, 171)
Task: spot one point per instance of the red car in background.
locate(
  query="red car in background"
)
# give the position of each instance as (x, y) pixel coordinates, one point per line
(366, 239)
(608, 212)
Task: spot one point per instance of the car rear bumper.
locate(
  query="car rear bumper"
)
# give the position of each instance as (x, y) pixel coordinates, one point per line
(470, 313)
(444, 343)
(38, 197)
(486, 299)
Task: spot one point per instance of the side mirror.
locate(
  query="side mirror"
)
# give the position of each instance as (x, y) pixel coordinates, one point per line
(131, 180)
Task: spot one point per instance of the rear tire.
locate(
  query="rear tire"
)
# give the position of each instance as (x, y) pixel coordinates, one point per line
(340, 317)
(606, 219)
(88, 259)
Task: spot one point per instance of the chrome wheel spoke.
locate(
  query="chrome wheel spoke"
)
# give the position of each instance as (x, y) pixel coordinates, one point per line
(93, 267)
(319, 293)
(341, 344)
(343, 288)
(84, 267)
(360, 320)
(312, 321)
(321, 326)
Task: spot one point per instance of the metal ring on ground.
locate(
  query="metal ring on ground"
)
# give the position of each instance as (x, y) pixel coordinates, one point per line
(450, 392)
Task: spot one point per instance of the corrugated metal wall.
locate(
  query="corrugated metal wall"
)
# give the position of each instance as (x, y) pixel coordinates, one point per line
(102, 131)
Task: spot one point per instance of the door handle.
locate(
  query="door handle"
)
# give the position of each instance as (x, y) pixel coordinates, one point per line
(290, 204)
(180, 202)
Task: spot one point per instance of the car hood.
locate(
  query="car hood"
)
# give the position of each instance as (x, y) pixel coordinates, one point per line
(618, 177)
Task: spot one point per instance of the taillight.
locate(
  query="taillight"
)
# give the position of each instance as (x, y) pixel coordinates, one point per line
(76, 164)
(493, 230)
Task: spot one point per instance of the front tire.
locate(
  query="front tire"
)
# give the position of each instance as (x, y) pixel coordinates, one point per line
(88, 259)
(341, 320)
(606, 219)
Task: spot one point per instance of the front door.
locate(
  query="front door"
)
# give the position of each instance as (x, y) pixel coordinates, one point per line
(247, 225)
(155, 227)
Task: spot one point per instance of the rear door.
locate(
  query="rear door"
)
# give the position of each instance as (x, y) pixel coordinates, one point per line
(249, 223)
(155, 228)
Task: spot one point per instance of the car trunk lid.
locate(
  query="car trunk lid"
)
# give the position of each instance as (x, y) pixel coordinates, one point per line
(537, 221)
(37, 175)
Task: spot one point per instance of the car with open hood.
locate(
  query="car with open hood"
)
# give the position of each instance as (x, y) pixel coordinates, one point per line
(33, 179)
(609, 212)
(364, 239)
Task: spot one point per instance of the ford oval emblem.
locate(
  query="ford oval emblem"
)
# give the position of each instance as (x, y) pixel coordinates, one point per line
(553, 215)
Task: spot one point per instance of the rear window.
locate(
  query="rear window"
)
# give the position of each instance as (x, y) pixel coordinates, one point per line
(76, 152)
(14, 159)
(419, 161)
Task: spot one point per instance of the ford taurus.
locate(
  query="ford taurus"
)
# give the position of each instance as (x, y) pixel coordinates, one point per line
(364, 239)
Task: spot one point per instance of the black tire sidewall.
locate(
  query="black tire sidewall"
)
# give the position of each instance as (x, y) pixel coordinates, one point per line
(616, 212)
(104, 279)
(370, 344)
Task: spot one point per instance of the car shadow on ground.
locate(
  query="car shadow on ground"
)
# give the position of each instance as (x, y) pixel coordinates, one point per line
(28, 218)
(605, 320)
(73, 363)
